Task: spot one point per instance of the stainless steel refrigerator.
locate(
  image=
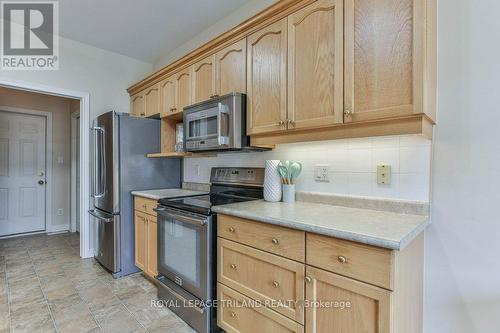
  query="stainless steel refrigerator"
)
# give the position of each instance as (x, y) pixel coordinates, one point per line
(120, 166)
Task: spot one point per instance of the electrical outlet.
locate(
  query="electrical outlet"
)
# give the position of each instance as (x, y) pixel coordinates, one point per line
(384, 174)
(60, 212)
(321, 172)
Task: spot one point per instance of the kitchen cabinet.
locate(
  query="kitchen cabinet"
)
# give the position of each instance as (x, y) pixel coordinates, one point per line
(140, 240)
(361, 308)
(146, 230)
(389, 60)
(183, 91)
(152, 101)
(137, 105)
(204, 79)
(315, 65)
(267, 79)
(328, 284)
(167, 96)
(315, 70)
(230, 67)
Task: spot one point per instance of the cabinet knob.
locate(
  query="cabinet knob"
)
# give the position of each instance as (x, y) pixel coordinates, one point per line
(308, 279)
(281, 123)
(348, 111)
(233, 266)
(275, 241)
(233, 314)
(342, 259)
(276, 284)
(291, 122)
(231, 229)
(143, 114)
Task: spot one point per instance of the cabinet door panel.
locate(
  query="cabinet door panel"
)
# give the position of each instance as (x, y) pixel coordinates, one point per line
(183, 89)
(266, 82)
(315, 55)
(365, 309)
(152, 100)
(231, 69)
(167, 95)
(152, 256)
(203, 79)
(137, 105)
(378, 59)
(140, 240)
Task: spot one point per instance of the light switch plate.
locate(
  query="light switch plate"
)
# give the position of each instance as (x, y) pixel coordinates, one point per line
(384, 173)
(321, 172)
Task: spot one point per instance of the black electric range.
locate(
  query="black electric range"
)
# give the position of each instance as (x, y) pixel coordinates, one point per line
(187, 239)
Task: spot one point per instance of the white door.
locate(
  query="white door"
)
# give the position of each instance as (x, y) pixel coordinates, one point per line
(22, 173)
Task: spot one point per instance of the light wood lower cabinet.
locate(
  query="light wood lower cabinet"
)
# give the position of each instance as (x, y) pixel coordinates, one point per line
(146, 230)
(342, 287)
(336, 304)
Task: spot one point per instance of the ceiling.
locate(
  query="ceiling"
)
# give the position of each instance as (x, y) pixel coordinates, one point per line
(145, 29)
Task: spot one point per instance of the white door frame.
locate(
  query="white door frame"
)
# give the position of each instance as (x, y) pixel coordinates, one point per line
(48, 157)
(84, 97)
(73, 217)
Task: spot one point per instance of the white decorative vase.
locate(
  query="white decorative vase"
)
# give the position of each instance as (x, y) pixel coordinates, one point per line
(272, 182)
(288, 193)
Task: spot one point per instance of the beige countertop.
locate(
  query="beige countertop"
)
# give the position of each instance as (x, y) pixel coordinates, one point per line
(379, 228)
(166, 193)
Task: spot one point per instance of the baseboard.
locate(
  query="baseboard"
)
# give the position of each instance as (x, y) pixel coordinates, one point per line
(58, 228)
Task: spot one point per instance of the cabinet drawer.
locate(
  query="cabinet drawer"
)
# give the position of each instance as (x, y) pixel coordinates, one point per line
(145, 205)
(278, 240)
(359, 261)
(236, 314)
(263, 277)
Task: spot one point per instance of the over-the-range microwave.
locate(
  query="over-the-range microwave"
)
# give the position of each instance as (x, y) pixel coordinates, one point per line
(218, 124)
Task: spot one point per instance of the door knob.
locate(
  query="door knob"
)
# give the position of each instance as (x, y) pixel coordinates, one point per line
(41, 182)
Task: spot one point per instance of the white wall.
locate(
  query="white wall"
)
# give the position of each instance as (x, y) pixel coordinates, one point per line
(246, 11)
(60, 109)
(105, 75)
(462, 281)
(352, 164)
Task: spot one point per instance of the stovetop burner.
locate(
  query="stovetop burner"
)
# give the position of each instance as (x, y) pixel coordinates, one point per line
(242, 184)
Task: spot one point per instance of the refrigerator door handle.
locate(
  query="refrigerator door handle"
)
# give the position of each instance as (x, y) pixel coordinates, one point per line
(99, 163)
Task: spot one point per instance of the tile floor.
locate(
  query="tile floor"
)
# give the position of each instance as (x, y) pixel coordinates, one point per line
(46, 287)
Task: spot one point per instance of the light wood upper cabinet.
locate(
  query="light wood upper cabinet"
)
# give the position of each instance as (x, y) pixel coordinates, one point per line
(140, 240)
(384, 59)
(230, 67)
(368, 311)
(167, 96)
(204, 79)
(137, 105)
(183, 89)
(315, 65)
(152, 100)
(267, 79)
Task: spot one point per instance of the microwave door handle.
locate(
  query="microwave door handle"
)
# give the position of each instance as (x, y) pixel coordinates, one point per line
(221, 140)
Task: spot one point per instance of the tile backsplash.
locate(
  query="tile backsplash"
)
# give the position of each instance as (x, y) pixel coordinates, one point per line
(352, 165)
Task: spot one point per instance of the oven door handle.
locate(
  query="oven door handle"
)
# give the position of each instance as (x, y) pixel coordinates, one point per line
(181, 217)
(182, 298)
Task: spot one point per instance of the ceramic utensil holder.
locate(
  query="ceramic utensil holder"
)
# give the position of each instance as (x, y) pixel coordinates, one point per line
(288, 193)
(272, 182)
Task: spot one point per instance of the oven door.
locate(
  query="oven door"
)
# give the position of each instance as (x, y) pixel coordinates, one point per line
(207, 128)
(184, 250)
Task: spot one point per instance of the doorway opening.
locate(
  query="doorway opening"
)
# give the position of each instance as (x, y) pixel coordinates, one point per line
(49, 147)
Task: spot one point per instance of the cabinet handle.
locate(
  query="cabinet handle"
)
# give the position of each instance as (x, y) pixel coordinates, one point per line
(281, 123)
(291, 122)
(231, 229)
(308, 279)
(342, 259)
(348, 111)
(276, 284)
(233, 314)
(275, 241)
(233, 266)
